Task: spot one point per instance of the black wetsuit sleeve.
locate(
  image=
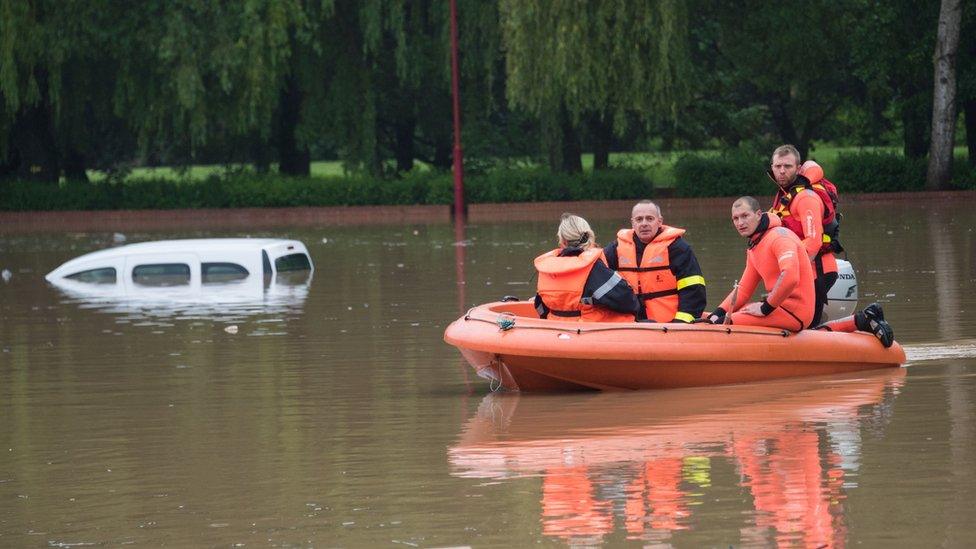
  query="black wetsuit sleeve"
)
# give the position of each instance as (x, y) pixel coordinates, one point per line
(684, 266)
(540, 307)
(608, 289)
(610, 251)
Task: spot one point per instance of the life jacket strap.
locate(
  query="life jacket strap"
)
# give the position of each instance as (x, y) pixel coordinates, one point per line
(655, 295)
(565, 314)
(643, 269)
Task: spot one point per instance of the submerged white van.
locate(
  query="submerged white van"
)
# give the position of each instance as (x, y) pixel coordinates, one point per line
(183, 266)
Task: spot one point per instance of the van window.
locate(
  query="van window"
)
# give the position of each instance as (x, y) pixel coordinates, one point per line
(215, 273)
(293, 262)
(104, 275)
(162, 274)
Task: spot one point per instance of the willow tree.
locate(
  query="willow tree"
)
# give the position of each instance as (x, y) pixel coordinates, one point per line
(389, 67)
(91, 84)
(594, 63)
(196, 71)
(55, 89)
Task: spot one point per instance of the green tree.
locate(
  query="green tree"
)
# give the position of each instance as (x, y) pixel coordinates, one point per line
(791, 58)
(56, 90)
(596, 63)
(898, 71)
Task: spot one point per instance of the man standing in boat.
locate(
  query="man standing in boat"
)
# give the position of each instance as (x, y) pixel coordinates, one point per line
(805, 202)
(659, 265)
(778, 259)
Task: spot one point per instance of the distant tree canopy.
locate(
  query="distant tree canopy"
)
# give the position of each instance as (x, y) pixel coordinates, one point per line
(112, 85)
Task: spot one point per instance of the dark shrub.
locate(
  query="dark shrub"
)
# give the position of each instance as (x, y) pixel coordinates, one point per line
(735, 173)
(877, 172)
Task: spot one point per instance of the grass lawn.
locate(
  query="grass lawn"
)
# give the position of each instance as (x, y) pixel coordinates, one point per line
(323, 168)
(657, 164)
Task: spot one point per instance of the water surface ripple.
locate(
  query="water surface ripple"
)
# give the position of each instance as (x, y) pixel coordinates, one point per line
(332, 414)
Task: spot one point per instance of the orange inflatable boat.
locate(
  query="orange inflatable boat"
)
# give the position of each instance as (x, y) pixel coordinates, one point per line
(507, 343)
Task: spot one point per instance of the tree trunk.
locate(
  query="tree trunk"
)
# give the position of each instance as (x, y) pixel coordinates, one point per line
(33, 138)
(970, 107)
(261, 155)
(74, 167)
(404, 143)
(602, 135)
(443, 154)
(786, 128)
(293, 159)
(944, 96)
(562, 143)
(915, 126)
(572, 150)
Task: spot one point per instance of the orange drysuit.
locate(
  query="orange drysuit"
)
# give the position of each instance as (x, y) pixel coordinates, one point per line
(777, 258)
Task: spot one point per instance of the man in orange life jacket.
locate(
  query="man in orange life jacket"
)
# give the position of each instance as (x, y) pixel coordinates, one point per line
(575, 283)
(776, 257)
(805, 205)
(659, 265)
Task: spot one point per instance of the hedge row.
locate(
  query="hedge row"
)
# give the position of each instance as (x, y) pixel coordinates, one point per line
(250, 190)
(740, 173)
(732, 173)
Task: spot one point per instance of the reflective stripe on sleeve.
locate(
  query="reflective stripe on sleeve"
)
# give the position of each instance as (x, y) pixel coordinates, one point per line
(684, 317)
(607, 286)
(691, 281)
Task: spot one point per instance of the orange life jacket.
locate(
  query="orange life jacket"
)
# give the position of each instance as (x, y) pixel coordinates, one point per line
(561, 284)
(653, 282)
(827, 192)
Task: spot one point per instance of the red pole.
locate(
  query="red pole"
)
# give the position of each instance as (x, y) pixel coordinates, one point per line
(460, 209)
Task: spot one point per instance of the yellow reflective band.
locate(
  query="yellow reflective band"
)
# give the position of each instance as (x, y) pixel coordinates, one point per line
(826, 238)
(697, 470)
(690, 281)
(684, 317)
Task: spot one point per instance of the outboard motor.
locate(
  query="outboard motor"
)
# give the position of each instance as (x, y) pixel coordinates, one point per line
(842, 297)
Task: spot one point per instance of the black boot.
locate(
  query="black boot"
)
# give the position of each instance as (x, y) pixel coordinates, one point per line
(871, 319)
(874, 311)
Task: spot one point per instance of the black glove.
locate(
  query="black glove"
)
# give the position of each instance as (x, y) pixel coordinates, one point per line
(717, 316)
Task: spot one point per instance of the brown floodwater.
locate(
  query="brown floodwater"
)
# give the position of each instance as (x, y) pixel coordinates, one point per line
(335, 415)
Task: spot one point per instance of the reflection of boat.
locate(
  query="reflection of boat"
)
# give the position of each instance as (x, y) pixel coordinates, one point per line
(223, 277)
(512, 435)
(508, 344)
(652, 457)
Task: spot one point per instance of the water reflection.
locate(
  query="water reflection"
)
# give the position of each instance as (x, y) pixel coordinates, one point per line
(647, 461)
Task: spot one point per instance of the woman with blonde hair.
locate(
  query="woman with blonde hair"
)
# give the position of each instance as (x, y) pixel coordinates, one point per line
(575, 282)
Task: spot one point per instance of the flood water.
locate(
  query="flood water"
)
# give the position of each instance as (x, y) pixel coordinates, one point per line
(333, 414)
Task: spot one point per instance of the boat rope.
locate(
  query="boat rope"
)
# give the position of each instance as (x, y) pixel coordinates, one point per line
(492, 386)
(644, 327)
